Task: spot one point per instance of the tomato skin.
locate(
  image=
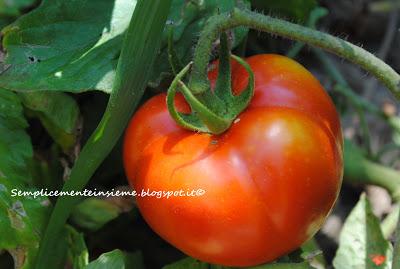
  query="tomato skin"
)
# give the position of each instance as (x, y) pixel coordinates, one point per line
(269, 181)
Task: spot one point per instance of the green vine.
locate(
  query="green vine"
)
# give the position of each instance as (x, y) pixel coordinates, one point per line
(213, 114)
(340, 47)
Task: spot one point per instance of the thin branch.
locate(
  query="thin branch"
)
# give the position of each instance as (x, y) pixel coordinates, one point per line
(384, 49)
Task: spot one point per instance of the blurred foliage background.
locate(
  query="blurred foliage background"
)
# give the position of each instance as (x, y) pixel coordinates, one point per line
(58, 62)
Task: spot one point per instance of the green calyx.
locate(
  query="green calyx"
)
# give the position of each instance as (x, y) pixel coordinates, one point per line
(212, 110)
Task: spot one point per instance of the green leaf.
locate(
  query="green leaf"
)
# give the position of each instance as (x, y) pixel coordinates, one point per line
(46, 169)
(15, 146)
(117, 259)
(188, 19)
(298, 10)
(313, 254)
(93, 213)
(66, 45)
(9, 10)
(58, 112)
(22, 218)
(300, 265)
(361, 243)
(190, 263)
(12, 8)
(78, 254)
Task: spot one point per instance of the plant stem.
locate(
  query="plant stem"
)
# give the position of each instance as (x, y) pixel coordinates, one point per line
(388, 225)
(340, 47)
(396, 250)
(141, 43)
(316, 14)
(359, 170)
(344, 88)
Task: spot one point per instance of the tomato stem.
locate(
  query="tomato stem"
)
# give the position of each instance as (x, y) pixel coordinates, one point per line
(141, 43)
(315, 15)
(212, 111)
(206, 107)
(396, 250)
(238, 17)
(360, 170)
(173, 58)
(389, 223)
(344, 88)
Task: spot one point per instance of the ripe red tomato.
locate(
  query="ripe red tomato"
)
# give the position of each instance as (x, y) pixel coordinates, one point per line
(269, 181)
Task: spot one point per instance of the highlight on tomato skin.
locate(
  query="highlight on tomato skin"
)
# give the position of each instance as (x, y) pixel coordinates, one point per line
(269, 182)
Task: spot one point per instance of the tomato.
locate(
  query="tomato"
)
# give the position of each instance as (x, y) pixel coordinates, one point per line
(268, 182)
